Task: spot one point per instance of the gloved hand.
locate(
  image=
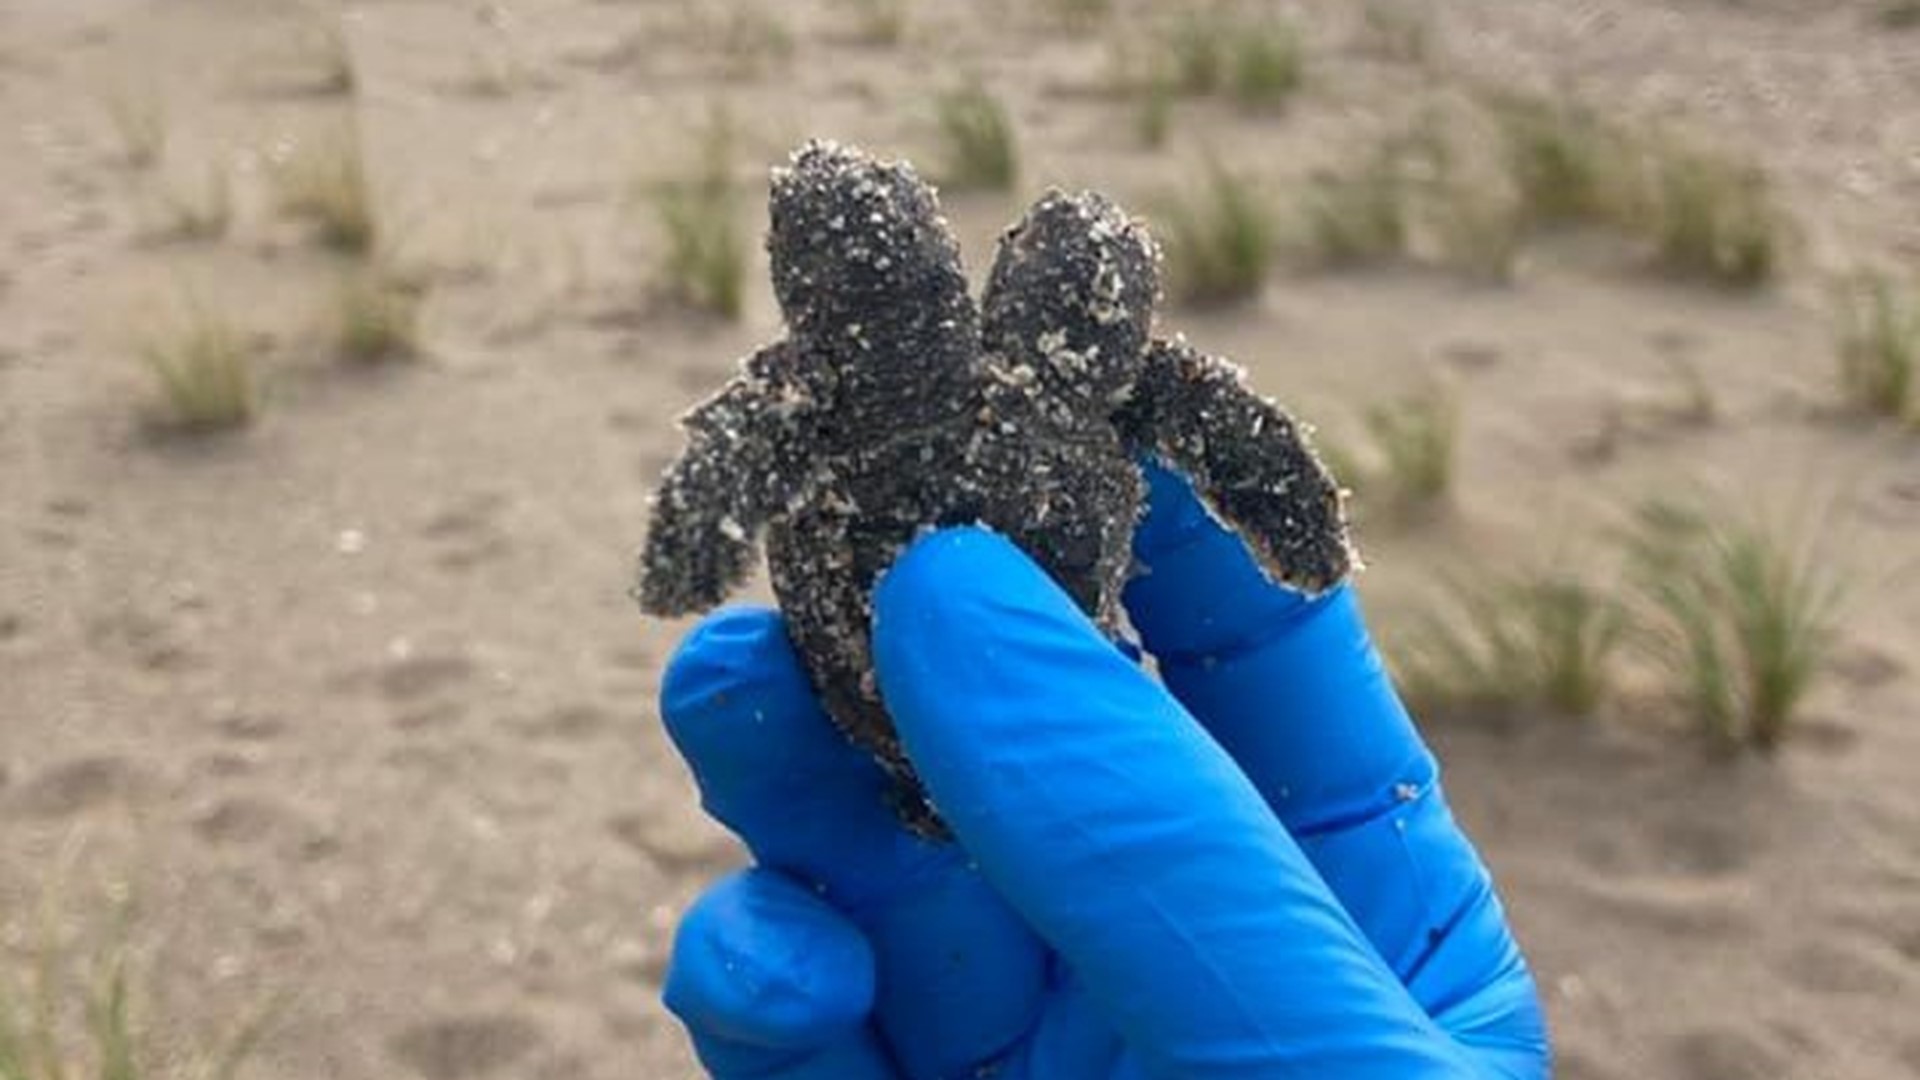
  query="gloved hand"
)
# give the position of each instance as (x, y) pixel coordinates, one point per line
(1248, 872)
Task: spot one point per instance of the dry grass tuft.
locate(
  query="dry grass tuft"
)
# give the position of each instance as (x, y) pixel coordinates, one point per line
(1899, 14)
(376, 316)
(1199, 48)
(1743, 616)
(1153, 116)
(493, 73)
(323, 54)
(879, 22)
(1879, 345)
(1478, 222)
(204, 364)
(750, 38)
(1569, 164)
(1711, 217)
(1706, 215)
(1424, 193)
(1079, 15)
(325, 182)
(1269, 64)
(58, 1024)
(705, 265)
(1404, 465)
(1480, 234)
(1693, 402)
(1219, 241)
(139, 121)
(982, 151)
(202, 212)
(1359, 216)
(1260, 62)
(1415, 440)
(1399, 30)
(1542, 638)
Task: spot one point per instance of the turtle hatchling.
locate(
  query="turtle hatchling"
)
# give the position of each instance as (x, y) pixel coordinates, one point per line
(895, 405)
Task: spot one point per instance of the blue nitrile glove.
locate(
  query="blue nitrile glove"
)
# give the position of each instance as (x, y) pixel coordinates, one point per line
(1253, 876)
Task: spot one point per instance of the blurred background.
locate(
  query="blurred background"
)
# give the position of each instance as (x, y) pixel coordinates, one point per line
(341, 344)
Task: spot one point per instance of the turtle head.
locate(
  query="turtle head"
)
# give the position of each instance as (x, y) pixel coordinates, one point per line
(1072, 295)
(855, 242)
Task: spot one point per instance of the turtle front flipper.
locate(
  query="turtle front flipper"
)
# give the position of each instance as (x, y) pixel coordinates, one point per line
(1248, 460)
(745, 461)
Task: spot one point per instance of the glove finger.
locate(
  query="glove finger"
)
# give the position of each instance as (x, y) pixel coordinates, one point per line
(960, 976)
(1291, 686)
(1124, 834)
(1293, 689)
(774, 984)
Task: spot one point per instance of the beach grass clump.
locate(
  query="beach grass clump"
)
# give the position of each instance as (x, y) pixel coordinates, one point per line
(1399, 30)
(981, 149)
(494, 71)
(1570, 165)
(327, 54)
(1711, 217)
(1480, 228)
(67, 1017)
(197, 212)
(1879, 345)
(1078, 14)
(1706, 215)
(325, 182)
(1899, 14)
(1268, 64)
(139, 122)
(749, 38)
(376, 316)
(705, 255)
(1692, 400)
(205, 367)
(1500, 642)
(1153, 112)
(1214, 51)
(1199, 49)
(879, 22)
(1422, 193)
(1415, 442)
(1219, 240)
(1744, 616)
(1359, 216)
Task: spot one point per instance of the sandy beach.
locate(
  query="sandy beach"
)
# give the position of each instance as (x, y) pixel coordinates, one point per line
(352, 711)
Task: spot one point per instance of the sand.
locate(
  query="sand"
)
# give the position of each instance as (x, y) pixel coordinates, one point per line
(355, 709)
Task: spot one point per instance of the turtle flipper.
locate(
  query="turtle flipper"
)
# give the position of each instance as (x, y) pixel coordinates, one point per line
(742, 464)
(1248, 460)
